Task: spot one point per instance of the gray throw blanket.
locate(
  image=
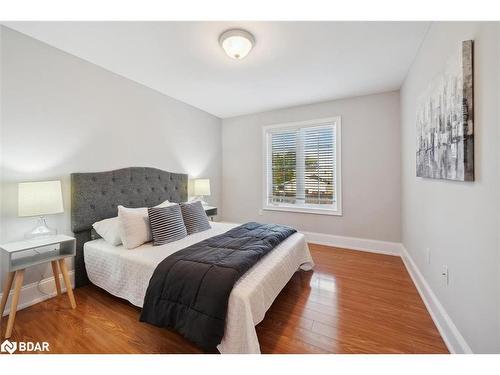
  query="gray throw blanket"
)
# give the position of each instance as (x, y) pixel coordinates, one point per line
(189, 290)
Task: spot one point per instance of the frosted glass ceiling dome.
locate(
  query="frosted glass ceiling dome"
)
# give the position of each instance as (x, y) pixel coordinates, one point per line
(237, 43)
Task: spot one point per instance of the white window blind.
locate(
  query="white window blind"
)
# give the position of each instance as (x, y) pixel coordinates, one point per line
(302, 166)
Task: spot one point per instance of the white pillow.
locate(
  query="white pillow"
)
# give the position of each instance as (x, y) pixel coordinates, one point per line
(134, 225)
(109, 229)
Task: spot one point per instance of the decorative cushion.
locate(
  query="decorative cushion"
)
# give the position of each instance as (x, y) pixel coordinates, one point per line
(194, 216)
(134, 225)
(166, 224)
(109, 229)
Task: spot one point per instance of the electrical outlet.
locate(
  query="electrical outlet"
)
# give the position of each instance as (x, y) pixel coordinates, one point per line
(428, 255)
(260, 212)
(445, 275)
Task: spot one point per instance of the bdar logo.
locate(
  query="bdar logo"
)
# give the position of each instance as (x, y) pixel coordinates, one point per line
(9, 347)
(24, 346)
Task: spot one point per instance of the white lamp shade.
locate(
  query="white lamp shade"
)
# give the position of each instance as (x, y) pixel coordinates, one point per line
(39, 198)
(202, 186)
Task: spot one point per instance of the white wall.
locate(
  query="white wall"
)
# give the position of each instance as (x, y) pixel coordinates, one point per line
(1, 126)
(458, 221)
(62, 115)
(370, 167)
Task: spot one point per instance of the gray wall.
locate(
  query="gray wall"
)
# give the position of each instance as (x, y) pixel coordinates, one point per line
(62, 114)
(458, 221)
(370, 167)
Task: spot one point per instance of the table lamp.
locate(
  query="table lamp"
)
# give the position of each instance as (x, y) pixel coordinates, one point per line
(202, 189)
(39, 199)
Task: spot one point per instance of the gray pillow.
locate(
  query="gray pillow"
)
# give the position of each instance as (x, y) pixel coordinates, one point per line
(194, 216)
(166, 224)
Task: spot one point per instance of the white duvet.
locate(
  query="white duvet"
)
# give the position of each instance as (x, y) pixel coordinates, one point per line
(126, 273)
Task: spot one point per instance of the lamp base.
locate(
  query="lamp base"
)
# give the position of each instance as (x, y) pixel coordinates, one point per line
(41, 230)
(199, 198)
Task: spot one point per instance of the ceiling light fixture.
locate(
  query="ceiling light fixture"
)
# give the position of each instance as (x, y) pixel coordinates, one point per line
(237, 43)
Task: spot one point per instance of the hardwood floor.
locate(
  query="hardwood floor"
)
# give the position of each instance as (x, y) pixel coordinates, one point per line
(353, 302)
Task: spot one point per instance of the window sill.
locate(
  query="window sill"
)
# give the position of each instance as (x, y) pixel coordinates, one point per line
(305, 210)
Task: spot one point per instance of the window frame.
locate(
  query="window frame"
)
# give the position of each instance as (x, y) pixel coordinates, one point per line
(267, 174)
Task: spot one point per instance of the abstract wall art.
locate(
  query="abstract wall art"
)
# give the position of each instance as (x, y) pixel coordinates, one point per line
(445, 121)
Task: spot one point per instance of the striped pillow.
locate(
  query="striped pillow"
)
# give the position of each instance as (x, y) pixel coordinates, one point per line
(195, 218)
(166, 224)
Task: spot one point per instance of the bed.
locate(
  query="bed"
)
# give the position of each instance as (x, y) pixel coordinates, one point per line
(126, 273)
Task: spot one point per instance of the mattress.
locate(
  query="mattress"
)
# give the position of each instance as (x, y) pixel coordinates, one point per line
(126, 273)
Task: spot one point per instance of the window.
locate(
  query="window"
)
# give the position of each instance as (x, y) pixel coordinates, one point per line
(302, 167)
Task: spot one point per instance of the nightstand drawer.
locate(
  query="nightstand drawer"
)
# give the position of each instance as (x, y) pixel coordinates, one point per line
(211, 211)
(29, 253)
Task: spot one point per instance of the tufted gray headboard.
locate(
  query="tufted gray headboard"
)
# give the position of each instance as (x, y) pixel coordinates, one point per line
(95, 196)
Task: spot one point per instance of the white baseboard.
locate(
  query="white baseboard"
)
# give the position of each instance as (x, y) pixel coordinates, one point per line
(448, 330)
(353, 243)
(30, 294)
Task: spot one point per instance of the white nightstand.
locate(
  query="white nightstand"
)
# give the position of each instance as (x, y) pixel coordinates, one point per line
(23, 254)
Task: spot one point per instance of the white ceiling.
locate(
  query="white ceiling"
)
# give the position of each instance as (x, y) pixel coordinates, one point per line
(292, 63)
